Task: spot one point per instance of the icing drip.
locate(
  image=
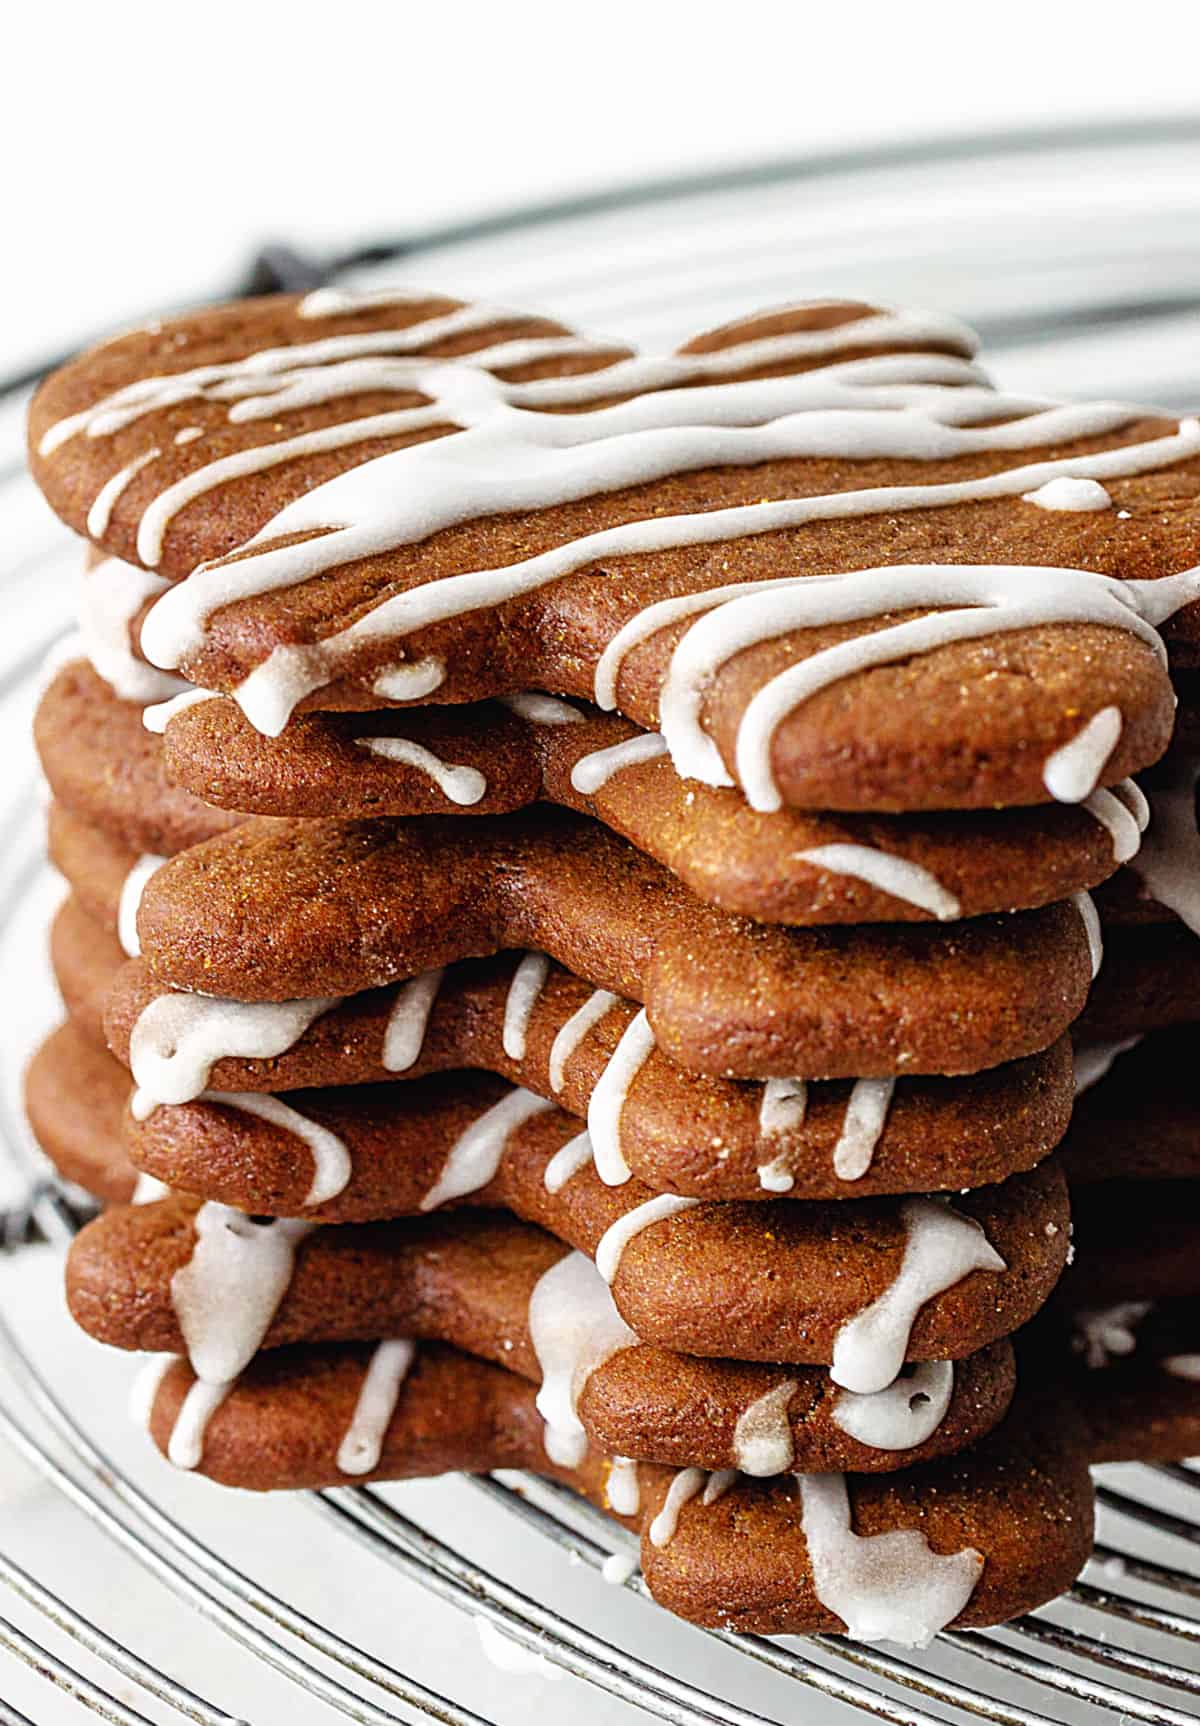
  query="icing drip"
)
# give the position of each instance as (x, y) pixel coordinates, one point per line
(1068, 493)
(332, 1167)
(508, 1655)
(462, 785)
(189, 434)
(1072, 773)
(1103, 1334)
(360, 1449)
(475, 1155)
(130, 900)
(186, 1446)
(905, 1413)
(110, 598)
(225, 1297)
(1124, 814)
(100, 514)
(719, 1482)
(685, 1486)
(866, 1114)
(783, 1107)
(1094, 1060)
(574, 1031)
(941, 1248)
(147, 1190)
(608, 1099)
(617, 1236)
(574, 1328)
(179, 1038)
(910, 882)
(592, 771)
(159, 715)
(528, 981)
(1084, 904)
(762, 1438)
(575, 1155)
(541, 709)
(411, 682)
(884, 1587)
(618, 1567)
(623, 1492)
(1169, 861)
(408, 1021)
(776, 1176)
(1186, 1366)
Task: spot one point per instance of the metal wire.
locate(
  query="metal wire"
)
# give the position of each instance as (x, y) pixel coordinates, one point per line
(1122, 1643)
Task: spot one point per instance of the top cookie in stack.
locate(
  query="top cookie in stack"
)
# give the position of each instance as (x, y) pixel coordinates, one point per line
(793, 683)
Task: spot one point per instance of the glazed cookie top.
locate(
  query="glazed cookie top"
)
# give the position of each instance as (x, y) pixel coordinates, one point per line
(413, 498)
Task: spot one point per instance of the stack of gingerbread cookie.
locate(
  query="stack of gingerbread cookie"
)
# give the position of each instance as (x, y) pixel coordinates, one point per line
(583, 863)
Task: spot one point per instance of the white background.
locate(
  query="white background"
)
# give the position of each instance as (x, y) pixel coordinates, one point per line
(150, 147)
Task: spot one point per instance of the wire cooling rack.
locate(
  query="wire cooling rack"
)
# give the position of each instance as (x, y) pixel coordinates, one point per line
(140, 1595)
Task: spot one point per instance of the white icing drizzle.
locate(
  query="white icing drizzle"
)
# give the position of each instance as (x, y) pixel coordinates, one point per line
(1186, 1366)
(178, 1038)
(100, 514)
(408, 1021)
(762, 1439)
(719, 1482)
(1073, 772)
(541, 709)
(1085, 905)
(411, 681)
(962, 602)
(592, 771)
(901, 879)
(228, 1292)
(204, 1398)
(332, 1166)
(1068, 493)
(888, 1587)
(189, 434)
(574, 1155)
(1169, 860)
(159, 715)
(574, 1030)
(528, 981)
(148, 1189)
(1124, 814)
(618, 1567)
(1106, 1333)
(866, 1114)
(685, 1486)
(509, 458)
(131, 897)
(622, 1489)
(475, 1155)
(904, 1413)
(941, 1248)
(360, 1449)
(111, 595)
(574, 1328)
(608, 1099)
(783, 1107)
(461, 785)
(1094, 1060)
(614, 1240)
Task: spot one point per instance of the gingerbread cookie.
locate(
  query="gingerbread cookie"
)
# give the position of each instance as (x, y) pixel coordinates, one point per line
(561, 548)
(786, 867)
(974, 1540)
(345, 906)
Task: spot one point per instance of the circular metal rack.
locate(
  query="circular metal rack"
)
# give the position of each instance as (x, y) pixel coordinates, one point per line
(143, 1596)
